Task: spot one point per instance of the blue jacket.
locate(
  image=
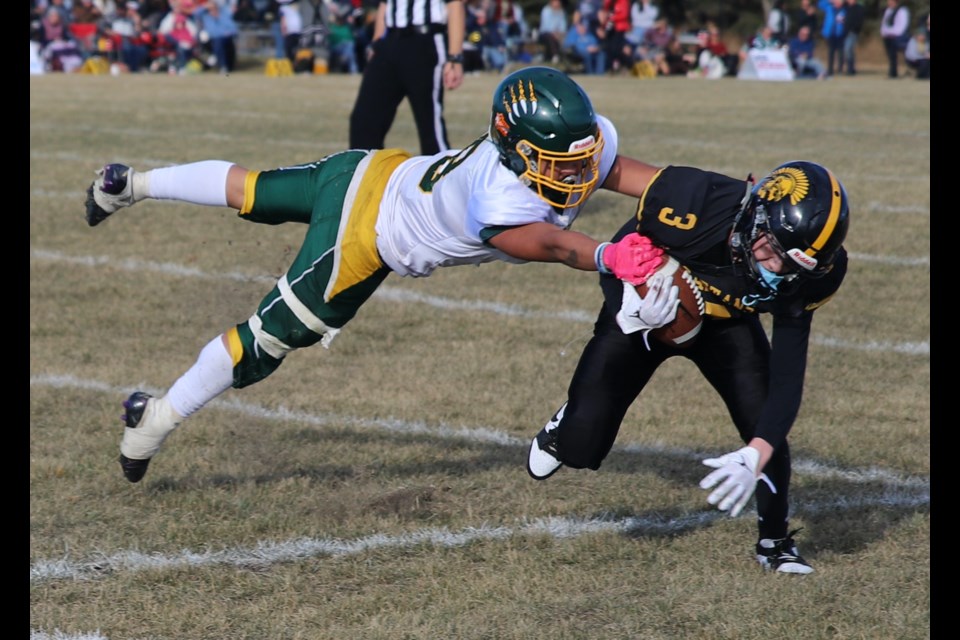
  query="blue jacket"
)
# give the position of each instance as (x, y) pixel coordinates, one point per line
(831, 26)
(220, 26)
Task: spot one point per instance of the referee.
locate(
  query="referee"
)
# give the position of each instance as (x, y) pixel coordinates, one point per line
(417, 52)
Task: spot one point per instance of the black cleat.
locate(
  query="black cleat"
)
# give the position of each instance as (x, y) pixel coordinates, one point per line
(135, 405)
(112, 183)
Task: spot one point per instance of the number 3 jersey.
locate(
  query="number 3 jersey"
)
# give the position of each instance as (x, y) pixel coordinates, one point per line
(690, 212)
(437, 209)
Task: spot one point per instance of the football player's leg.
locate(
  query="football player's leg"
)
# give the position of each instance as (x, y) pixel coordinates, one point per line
(611, 372)
(208, 182)
(244, 355)
(294, 315)
(149, 420)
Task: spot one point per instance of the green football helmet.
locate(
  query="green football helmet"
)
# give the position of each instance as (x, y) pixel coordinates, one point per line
(545, 128)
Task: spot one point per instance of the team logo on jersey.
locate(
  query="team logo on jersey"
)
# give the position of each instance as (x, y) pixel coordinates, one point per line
(523, 101)
(787, 181)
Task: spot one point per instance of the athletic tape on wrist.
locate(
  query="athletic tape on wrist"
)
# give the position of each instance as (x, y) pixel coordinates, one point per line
(598, 258)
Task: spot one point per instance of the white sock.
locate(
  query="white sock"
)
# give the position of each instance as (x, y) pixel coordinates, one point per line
(210, 375)
(203, 182)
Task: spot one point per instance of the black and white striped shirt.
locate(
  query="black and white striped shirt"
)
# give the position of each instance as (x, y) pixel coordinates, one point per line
(416, 13)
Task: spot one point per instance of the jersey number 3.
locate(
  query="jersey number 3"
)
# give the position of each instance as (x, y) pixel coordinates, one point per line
(685, 222)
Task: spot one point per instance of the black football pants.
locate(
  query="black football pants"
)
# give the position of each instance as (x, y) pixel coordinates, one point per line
(733, 355)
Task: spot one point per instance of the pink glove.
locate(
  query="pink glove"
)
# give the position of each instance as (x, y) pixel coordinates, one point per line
(633, 259)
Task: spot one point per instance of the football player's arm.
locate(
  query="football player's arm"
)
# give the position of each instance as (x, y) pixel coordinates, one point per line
(788, 365)
(735, 474)
(629, 176)
(544, 242)
(634, 258)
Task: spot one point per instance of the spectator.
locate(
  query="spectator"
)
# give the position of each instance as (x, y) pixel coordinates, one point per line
(472, 46)
(587, 11)
(217, 22)
(493, 44)
(619, 49)
(763, 39)
(643, 13)
(340, 38)
(363, 21)
(802, 59)
(673, 61)
(85, 19)
(291, 26)
(779, 21)
(655, 40)
(244, 12)
(834, 32)
(583, 43)
(125, 34)
(152, 12)
(714, 59)
(180, 33)
(807, 16)
(85, 12)
(62, 54)
(600, 25)
(488, 41)
(553, 30)
(59, 7)
(895, 30)
(516, 32)
(855, 14)
(54, 26)
(272, 17)
(917, 54)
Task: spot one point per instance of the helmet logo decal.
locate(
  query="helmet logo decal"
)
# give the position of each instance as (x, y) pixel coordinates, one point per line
(586, 143)
(500, 124)
(785, 181)
(807, 262)
(519, 103)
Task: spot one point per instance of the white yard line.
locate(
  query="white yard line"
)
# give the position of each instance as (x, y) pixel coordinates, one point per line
(394, 294)
(898, 491)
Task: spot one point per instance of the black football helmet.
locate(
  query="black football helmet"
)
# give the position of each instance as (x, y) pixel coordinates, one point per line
(540, 118)
(802, 208)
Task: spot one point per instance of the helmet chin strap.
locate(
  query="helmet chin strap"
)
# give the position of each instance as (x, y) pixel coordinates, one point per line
(746, 196)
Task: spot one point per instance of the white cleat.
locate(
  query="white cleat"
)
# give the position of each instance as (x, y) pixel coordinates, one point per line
(542, 460)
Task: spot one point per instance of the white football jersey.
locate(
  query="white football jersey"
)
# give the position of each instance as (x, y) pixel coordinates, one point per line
(434, 207)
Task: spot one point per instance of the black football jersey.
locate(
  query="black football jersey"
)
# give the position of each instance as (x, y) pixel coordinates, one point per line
(690, 213)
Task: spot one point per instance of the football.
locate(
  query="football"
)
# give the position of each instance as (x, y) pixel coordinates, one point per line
(686, 326)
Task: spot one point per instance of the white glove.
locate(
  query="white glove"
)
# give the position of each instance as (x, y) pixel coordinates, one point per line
(737, 474)
(654, 311)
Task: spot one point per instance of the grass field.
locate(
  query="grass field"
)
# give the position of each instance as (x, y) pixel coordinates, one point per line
(377, 490)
